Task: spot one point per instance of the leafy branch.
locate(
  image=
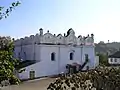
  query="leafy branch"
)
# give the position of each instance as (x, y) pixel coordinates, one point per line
(7, 61)
(5, 14)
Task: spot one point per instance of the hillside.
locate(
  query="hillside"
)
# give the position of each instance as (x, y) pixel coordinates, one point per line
(105, 48)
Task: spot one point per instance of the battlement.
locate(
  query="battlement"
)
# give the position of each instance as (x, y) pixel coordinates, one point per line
(49, 38)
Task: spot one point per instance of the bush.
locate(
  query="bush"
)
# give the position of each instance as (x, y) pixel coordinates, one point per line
(101, 78)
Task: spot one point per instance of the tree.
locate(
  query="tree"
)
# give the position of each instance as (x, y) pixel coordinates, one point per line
(103, 59)
(7, 61)
(5, 13)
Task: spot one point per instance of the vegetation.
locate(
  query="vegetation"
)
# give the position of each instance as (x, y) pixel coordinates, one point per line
(7, 61)
(103, 59)
(4, 13)
(101, 78)
(105, 48)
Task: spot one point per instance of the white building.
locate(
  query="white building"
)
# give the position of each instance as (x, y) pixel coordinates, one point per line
(52, 53)
(114, 59)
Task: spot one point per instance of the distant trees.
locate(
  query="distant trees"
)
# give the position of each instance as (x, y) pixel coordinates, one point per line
(103, 59)
(4, 13)
(101, 42)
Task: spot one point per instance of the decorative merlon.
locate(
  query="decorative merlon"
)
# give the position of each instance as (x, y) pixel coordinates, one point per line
(49, 38)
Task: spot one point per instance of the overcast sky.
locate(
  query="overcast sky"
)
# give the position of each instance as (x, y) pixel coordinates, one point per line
(100, 17)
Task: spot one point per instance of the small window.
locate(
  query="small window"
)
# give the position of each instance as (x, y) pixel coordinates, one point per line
(111, 60)
(115, 59)
(53, 56)
(71, 56)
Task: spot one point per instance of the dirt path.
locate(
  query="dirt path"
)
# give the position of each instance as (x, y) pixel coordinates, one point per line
(32, 85)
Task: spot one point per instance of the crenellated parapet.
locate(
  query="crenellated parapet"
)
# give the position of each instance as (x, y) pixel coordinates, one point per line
(49, 38)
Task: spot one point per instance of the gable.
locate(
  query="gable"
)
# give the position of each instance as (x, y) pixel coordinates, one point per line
(48, 38)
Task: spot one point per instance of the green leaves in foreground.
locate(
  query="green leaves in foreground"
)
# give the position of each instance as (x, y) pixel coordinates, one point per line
(7, 61)
(101, 78)
(5, 13)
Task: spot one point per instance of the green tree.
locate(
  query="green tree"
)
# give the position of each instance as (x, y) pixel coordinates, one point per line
(7, 61)
(103, 59)
(4, 13)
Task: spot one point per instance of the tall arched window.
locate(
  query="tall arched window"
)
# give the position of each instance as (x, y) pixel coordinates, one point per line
(71, 55)
(53, 56)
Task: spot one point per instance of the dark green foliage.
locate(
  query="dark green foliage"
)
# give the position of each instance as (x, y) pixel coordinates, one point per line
(103, 59)
(5, 13)
(101, 78)
(7, 62)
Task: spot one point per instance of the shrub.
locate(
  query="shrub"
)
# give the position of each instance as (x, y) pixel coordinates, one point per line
(101, 78)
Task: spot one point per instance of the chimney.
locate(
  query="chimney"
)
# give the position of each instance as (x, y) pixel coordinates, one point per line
(41, 31)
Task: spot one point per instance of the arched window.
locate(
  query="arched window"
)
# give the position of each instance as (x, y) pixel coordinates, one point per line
(53, 56)
(71, 56)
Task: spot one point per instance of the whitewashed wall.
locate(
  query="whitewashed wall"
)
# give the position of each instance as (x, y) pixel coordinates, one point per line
(91, 55)
(65, 59)
(113, 61)
(96, 61)
(47, 67)
(28, 49)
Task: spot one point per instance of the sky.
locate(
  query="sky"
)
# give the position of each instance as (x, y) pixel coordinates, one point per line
(100, 17)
